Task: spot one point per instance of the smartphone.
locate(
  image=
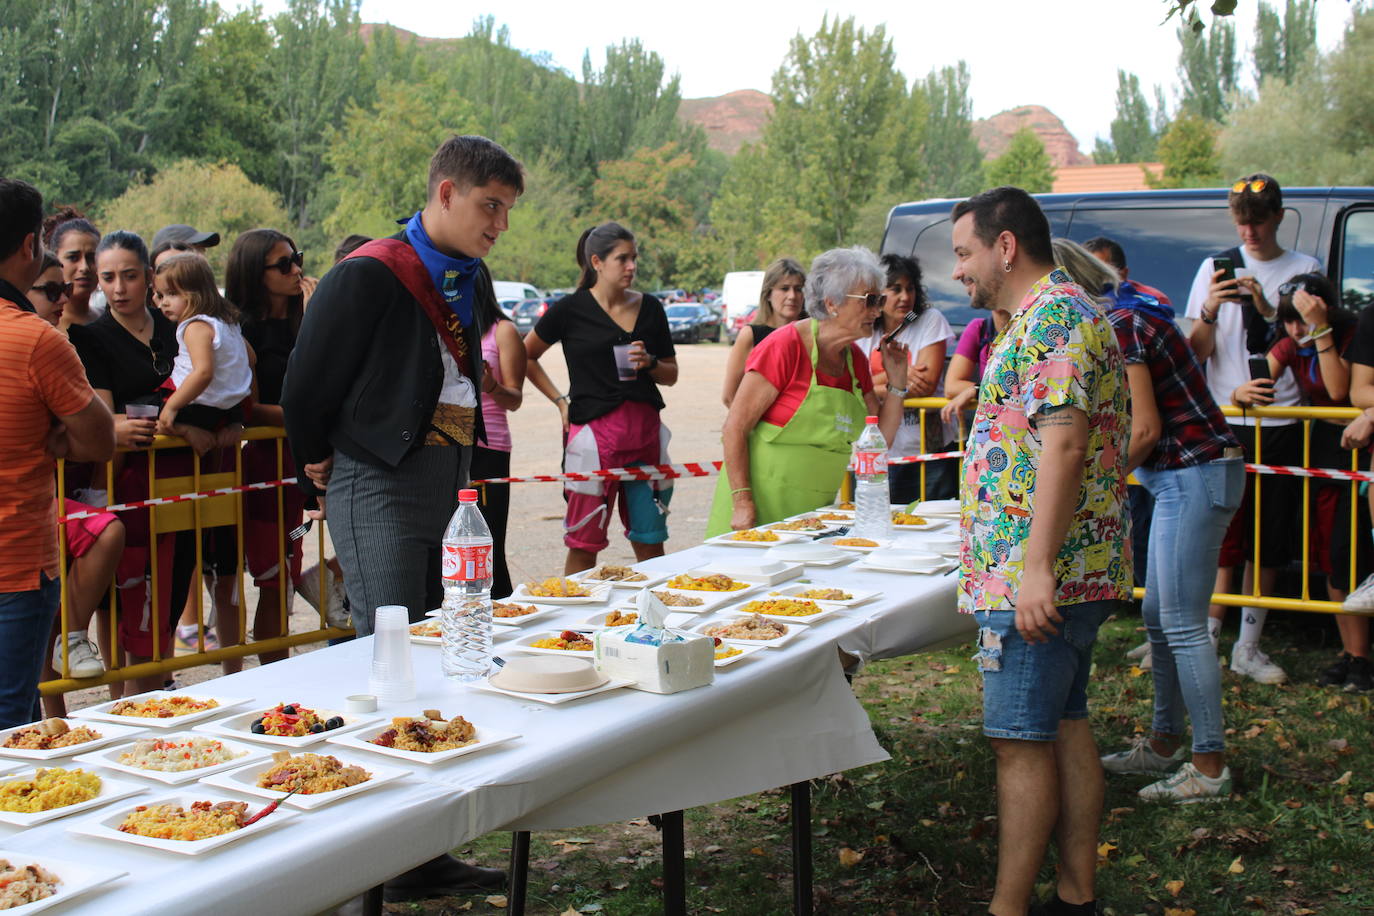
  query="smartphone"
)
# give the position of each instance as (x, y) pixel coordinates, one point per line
(1259, 367)
(1227, 268)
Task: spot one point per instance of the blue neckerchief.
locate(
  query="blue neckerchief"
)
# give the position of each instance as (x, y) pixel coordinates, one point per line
(454, 278)
(1309, 352)
(1126, 296)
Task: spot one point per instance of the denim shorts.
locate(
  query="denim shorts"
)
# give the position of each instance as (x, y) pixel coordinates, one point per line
(1028, 688)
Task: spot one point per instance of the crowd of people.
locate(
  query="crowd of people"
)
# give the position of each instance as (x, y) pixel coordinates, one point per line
(393, 375)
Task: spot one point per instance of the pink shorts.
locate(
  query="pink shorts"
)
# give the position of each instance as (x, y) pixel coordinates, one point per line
(626, 436)
(83, 532)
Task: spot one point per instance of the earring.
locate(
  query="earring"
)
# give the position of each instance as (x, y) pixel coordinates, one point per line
(1006, 267)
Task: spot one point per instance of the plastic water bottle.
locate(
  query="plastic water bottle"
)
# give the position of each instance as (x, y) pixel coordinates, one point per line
(872, 508)
(466, 613)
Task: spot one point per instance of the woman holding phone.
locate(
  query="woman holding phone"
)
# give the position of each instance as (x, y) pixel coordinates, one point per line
(618, 349)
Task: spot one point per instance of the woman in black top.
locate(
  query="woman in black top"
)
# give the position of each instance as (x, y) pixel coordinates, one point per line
(619, 350)
(264, 279)
(780, 303)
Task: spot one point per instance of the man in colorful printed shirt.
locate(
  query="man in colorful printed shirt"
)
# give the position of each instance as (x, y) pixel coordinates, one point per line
(1046, 539)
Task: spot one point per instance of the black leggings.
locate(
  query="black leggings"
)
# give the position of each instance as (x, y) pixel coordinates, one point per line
(495, 502)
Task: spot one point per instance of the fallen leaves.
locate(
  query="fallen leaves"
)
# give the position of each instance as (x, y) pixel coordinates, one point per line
(1236, 867)
(1178, 911)
(1173, 887)
(849, 858)
(1343, 779)
(497, 900)
(1104, 852)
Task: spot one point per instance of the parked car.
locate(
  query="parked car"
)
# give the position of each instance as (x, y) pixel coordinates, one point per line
(733, 328)
(1165, 235)
(740, 292)
(668, 296)
(691, 323)
(528, 312)
(508, 306)
(512, 289)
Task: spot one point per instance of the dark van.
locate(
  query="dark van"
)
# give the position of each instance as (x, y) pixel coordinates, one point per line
(1165, 234)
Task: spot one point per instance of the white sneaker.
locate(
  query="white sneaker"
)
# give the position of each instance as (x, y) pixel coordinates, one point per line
(1147, 661)
(1142, 760)
(1188, 785)
(83, 660)
(1249, 661)
(1141, 650)
(1361, 600)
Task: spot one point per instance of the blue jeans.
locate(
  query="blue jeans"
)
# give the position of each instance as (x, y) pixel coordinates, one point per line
(1193, 507)
(25, 625)
(1028, 688)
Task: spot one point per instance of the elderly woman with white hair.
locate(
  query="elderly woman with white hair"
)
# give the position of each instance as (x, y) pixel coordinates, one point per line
(805, 393)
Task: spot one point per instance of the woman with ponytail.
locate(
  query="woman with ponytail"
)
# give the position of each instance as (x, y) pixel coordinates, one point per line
(618, 350)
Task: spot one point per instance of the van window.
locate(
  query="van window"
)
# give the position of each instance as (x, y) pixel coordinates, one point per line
(1165, 245)
(1357, 260)
(935, 253)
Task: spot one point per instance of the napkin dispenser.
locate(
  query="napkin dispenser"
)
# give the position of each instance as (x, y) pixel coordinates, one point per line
(656, 658)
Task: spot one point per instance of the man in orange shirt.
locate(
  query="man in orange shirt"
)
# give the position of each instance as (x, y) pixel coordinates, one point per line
(47, 411)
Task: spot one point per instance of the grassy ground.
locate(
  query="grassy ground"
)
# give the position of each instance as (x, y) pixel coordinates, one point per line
(918, 834)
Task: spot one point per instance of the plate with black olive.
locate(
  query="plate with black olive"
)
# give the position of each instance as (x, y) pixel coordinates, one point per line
(288, 725)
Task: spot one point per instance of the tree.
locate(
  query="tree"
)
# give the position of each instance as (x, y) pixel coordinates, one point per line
(643, 193)
(758, 215)
(1208, 68)
(954, 164)
(217, 198)
(1282, 45)
(1188, 151)
(1025, 164)
(1133, 135)
(540, 246)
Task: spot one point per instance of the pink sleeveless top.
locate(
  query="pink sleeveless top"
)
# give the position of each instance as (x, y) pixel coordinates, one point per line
(497, 438)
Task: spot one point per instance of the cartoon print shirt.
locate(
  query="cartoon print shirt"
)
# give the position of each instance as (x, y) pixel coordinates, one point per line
(1058, 350)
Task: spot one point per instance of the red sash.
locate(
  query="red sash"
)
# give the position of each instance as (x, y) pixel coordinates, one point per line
(400, 258)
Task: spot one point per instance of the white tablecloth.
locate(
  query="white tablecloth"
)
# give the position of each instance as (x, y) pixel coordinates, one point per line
(781, 716)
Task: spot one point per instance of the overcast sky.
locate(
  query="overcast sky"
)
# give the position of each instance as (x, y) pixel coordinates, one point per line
(1062, 54)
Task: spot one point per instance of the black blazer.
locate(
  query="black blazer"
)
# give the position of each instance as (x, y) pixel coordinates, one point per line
(365, 375)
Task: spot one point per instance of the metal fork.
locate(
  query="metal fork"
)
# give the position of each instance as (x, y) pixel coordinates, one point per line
(295, 534)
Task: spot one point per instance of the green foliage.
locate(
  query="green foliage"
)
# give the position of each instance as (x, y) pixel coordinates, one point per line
(758, 215)
(1133, 135)
(1316, 129)
(540, 246)
(644, 193)
(1209, 67)
(1188, 151)
(1025, 164)
(953, 161)
(1283, 45)
(215, 198)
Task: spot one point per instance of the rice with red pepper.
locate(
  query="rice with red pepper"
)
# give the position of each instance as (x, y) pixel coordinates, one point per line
(427, 735)
(311, 774)
(173, 822)
(21, 884)
(177, 756)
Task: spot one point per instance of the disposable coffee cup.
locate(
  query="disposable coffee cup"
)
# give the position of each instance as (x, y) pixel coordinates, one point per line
(393, 676)
(624, 370)
(141, 411)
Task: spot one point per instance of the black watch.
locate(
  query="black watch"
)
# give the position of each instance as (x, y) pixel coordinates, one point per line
(653, 361)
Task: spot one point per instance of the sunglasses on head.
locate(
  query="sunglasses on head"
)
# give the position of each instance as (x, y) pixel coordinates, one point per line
(871, 300)
(1255, 185)
(284, 264)
(161, 364)
(53, 290)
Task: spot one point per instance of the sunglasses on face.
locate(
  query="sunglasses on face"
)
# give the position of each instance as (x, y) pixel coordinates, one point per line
(871, 300)
(53, 290)
(1256, 186)
(284, 264)
(161, 364)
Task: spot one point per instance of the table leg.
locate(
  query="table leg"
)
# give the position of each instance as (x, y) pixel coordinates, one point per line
(674, 865)
(372, 901)
(802, 870)
(519, 872)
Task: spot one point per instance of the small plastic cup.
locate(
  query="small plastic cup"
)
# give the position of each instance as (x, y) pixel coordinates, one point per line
(393, 675)
(624, 370)
(141, 411)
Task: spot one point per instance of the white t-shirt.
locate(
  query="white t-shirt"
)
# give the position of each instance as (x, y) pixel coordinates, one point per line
(1229, 365)
(931, 327)
(233, 379)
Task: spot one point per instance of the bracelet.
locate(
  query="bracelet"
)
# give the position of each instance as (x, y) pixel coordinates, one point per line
(1206, 320)
(741, 490)
(1328, 349)
(900, 392)
(561, 397)
(1319, 334)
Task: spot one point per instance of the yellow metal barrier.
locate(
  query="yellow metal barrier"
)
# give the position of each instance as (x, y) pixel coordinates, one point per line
(194, 515)
(1307, 416)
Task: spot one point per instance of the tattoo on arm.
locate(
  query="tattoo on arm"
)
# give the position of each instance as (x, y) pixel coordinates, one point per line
(1055, 416)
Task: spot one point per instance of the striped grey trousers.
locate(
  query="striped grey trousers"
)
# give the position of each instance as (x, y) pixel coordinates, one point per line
(387, 525)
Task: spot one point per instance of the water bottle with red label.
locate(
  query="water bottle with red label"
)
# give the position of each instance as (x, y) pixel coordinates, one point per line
(466, 612)
(872, 508)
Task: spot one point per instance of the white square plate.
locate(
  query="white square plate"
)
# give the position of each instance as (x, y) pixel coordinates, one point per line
(882, 542)
(103, 714)
(240, 726)
(792, 590)
(932, 522)
(744, 652)
(108, 734)
(77, 878)
(652, 578)
(810, 553)
(599, 592)
(887, 565)
(793, 631)
(709, 600)
(110, 790)
(523, 645)
(486, 738)
(105, 826)
(828, 526)
(728, 539)
(245, 780)
(948, 508)
(109, 758)
(825, 612)
(544, 612)
(418, 640)
(552, 699)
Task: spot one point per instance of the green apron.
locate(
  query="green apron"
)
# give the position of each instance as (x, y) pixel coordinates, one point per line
(798, 467)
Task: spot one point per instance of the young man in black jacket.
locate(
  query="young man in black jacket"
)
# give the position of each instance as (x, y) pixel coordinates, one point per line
(382, 404)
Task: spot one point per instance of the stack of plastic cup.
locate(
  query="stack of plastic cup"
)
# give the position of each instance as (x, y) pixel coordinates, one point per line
(393, 677)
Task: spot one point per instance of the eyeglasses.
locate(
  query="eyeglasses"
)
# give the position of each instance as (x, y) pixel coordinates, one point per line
(284, 264)
(871, 300)
(1255, 185)
(161, 364)
(53, 290)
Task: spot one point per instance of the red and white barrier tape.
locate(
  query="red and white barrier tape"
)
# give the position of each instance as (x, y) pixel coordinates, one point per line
(1284, 470)
(918, 459)
(181, 498)
(638, 472)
